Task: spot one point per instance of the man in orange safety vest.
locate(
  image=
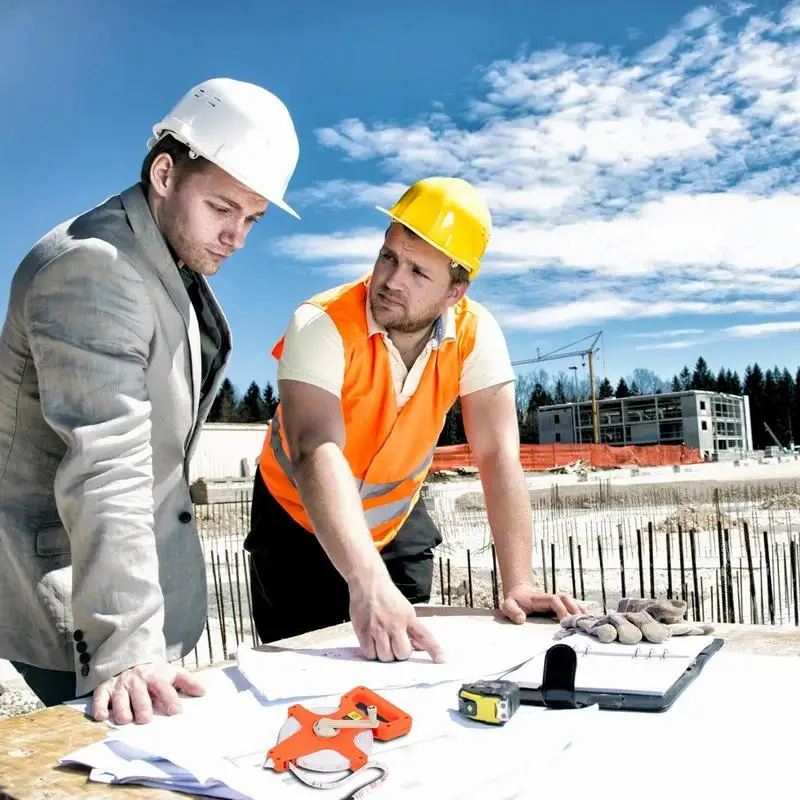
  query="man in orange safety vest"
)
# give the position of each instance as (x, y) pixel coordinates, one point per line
(366, 374)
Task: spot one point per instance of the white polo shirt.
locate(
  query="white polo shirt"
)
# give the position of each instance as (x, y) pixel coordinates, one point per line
(313, 352)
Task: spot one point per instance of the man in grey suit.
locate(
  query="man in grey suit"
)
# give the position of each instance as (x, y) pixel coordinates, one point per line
(110, 357)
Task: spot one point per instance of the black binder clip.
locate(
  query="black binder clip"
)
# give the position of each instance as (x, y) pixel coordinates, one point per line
(558, 681)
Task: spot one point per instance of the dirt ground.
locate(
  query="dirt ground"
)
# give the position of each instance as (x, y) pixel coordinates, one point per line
(764, 490)
(727, 536)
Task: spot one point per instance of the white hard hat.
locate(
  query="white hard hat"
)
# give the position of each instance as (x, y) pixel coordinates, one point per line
(243, 129)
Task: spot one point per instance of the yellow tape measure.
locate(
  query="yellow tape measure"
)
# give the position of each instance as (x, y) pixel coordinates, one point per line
(493, 702)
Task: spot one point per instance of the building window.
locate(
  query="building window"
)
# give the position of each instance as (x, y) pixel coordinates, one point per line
(613, 434)
(702, 405)
(671, 432)
(558, 437)
(727, 408)
(670, 409)
(556, 419)
(704, 425)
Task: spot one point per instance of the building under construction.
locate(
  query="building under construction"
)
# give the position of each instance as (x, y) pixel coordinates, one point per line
(707, 421)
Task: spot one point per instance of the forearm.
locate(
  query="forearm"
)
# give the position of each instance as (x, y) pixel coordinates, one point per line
(509, 511)
(330, 498)
(105, 498)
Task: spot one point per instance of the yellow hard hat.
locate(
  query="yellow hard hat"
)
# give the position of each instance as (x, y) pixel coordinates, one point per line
(449, 215)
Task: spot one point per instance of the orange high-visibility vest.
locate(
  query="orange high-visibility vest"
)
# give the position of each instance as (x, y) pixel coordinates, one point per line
(389, 453)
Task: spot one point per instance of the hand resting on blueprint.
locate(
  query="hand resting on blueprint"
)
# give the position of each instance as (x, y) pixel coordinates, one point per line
(386, 623)
(636, 619)
(133, 695)
(524, 599)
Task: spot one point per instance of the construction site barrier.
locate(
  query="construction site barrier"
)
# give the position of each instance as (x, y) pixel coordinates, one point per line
(541, 457)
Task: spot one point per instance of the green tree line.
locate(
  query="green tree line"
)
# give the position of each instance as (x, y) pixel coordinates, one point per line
(774, 396)
(255, 405)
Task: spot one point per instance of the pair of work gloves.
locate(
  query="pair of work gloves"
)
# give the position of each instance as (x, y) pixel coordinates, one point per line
(636, 619)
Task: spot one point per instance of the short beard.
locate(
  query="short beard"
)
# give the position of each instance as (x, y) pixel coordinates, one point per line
(401, 323)
(406, 325)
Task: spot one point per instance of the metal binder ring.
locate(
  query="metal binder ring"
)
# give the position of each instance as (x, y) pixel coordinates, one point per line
(636, 653)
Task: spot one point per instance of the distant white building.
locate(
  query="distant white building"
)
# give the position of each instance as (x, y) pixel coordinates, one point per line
(227, 450)
(707, 421)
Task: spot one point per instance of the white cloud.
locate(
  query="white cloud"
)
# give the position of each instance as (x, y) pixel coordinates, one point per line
(742, 232)
(564, 315)
(668, 333)
(347, 194)
(530, 200)
(347, 271)
(738, 8)
(607, 307)
(698, 18)
(681, 344)
(661, 184)
(791, 17)
(762, 329)
(363, 243)
(737, 231)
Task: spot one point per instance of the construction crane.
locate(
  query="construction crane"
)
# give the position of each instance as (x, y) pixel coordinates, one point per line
(775, 439)
(586, 352)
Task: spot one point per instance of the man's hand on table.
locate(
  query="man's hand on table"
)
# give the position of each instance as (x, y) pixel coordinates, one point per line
(133, 695)
(524, 599)
(385, 622)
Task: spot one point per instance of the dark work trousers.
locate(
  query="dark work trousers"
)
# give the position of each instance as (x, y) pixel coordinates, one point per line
(51, 686)
(294, 587)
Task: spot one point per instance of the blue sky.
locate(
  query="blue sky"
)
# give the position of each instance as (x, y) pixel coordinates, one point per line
(642, 160)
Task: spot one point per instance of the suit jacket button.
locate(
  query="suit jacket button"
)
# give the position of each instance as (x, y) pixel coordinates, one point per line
(77, 635)
(85, 670)
(185, 517)
(84, 658)
(81, 647)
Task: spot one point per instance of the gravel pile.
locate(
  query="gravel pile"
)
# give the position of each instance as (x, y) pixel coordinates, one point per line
(700, 518)
(15, 702)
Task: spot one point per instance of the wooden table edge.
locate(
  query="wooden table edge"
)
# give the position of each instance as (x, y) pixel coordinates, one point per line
(33, 743)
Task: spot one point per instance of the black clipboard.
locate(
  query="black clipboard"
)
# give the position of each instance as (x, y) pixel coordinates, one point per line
(558, 690)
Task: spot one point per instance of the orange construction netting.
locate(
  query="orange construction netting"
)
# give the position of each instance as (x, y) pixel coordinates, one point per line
(540, 457)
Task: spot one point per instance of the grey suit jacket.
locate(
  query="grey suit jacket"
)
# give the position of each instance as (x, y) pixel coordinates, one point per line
(101, 566)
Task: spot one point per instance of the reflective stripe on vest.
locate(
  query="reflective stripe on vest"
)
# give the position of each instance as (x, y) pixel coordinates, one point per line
(380, 514)
(374, 516)
(370, 490)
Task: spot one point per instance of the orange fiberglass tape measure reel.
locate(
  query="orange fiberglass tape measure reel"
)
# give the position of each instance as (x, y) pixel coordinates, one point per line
(337, 739)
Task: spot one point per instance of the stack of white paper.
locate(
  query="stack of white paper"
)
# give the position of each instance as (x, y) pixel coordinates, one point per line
(221, 753)
(217, 747)
(473, 650)
(115, 761)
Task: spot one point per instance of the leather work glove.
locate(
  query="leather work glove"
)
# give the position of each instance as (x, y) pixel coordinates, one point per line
(636, 619)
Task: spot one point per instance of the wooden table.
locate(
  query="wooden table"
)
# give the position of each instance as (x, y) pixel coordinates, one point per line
(31, 745)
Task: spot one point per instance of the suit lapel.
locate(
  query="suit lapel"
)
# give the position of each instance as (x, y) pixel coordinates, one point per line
(225, 344)
(155, 250)
(193, 331)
